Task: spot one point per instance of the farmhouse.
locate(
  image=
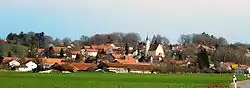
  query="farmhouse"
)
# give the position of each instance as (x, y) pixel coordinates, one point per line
(126, 68)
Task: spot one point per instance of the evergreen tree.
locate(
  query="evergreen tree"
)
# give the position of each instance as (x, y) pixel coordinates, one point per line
(1, 59)
(126, 49)
(61, 53)
(203, 58)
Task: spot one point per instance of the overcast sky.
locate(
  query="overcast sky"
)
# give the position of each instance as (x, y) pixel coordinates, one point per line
(73, 18)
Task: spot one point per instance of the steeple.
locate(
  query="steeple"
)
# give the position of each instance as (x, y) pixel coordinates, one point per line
(147, 38)
(147, 45)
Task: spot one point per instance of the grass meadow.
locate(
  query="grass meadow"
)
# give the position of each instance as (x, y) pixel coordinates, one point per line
(110, 80)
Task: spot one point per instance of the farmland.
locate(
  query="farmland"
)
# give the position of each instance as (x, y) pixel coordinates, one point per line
(110, 80)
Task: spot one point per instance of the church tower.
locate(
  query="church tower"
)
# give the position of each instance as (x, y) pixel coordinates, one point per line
(147, 46)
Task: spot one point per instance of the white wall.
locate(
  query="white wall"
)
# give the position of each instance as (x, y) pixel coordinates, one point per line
(160, 50)
(157, 51)
(92, 54)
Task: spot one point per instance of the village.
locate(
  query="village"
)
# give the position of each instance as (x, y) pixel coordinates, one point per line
(148, 57)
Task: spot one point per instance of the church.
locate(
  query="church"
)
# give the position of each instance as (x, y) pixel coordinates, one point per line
(154, 50)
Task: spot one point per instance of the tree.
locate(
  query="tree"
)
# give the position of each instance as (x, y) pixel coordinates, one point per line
(57, 42)
(84, 38)
(47, 41)
(165, 41)
(61, 53)
(99, 39)
(14, 50)
(185, 39)
(158, 39)
(116, 37)
(222, 41)
(1, 59)
(49, 52)
(78, 57)
(66, 41)
(126, 49)
(131, 38)
(77, 44)
(203, 58)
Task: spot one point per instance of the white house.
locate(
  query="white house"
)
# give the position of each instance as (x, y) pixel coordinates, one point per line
(248, 70)
(14, 63)
(156, 50)
(29, 67)
(92, 52)
(31, 64)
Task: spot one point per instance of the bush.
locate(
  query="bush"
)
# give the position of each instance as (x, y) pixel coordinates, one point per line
(4, 67)
(206, 70)
(173, 68)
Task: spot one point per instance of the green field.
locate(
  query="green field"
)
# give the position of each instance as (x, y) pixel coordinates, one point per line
(109, 80)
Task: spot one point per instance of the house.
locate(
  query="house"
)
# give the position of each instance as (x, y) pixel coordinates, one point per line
(107, 58)
(92, 52)
(156, 50)
(115, 67)
(48, 62)
(118, 51)
(74, 66)
(82, 66)
(8, 59)
(248, 70)
(144, 68)
(156, 59)
(28, 67)
(40, 51)
(14, 63)
(93, 49)
(126, 68)
(127, 60)
(109, 51)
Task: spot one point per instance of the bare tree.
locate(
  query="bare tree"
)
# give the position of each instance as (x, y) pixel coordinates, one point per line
(66, 41)
(57, 42)
(160, 40)
(185, 39)
(222, 41)
(98, 39)
(84, 38)
(131, 38)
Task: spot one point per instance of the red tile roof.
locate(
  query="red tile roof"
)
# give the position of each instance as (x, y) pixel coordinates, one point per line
(127, 60)
(97, 47)
(82, 66)
(92, 50)
(9, 58)
(117, 56)
(228, 63)
(52, 60)
(136, 66)
(75, 52)
(58, 49)
(86, 47)
(40, 50)
(140, 67)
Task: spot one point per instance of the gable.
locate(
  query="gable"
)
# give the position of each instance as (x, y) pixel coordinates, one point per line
(153, 47)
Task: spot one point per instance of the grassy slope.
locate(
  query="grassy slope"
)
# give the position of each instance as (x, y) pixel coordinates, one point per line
(108, 80)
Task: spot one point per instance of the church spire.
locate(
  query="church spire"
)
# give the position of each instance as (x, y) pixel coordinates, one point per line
(147, 38)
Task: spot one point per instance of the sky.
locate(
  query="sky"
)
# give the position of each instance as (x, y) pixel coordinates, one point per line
(170, 18)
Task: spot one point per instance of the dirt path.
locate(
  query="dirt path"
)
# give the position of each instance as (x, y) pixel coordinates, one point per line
(244, 84)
